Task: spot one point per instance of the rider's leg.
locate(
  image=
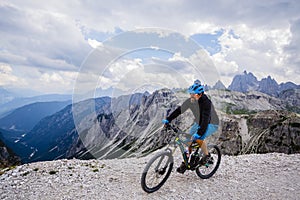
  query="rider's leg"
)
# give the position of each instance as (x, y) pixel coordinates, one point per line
(212, 128)
(201, 141)
(203, 146)
(193, 130)
(204, 149)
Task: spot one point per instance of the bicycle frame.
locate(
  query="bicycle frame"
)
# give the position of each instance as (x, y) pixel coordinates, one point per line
(183, 143)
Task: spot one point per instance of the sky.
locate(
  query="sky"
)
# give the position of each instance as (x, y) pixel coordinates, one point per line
(65, 46)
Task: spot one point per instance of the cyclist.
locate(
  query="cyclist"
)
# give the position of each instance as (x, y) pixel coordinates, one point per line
(205, 123)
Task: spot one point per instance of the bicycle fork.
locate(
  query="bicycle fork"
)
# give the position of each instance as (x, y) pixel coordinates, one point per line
(159, 169)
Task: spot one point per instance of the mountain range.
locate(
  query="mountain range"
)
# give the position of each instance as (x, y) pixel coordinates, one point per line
(15, 102)
(120, 129)
(128, 125)
(248, 82)
(26, 117)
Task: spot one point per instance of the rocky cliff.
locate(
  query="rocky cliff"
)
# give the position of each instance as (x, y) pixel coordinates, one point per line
(7, 156)
(258, 127)
(262, 132)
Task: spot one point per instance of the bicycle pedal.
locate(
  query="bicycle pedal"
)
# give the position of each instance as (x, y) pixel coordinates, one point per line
(182, 168)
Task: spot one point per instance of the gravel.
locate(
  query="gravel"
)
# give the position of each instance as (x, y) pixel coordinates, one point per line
(255, 176)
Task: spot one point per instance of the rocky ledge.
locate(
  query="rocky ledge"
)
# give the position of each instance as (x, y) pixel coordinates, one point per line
(253, 176)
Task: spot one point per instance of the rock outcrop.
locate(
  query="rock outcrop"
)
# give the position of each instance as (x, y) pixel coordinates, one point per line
(263, 132)
(7, 156)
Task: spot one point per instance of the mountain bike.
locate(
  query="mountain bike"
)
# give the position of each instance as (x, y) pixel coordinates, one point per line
(160, 166)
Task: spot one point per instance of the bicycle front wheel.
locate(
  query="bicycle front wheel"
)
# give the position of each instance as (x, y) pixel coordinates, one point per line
(157, 171)
(209, 169)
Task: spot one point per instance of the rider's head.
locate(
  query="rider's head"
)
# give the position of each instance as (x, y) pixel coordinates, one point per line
(196, 90)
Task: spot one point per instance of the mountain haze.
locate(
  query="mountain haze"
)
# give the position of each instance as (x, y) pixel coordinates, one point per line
(5, 96)
(17, 102)
(26, 117)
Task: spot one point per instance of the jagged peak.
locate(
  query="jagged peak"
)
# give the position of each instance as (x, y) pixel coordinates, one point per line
(247, 81)
(219, 85)
(248, 73)
(269, 78)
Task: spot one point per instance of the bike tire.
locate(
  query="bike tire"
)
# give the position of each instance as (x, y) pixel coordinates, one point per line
(159, 167)
(208, 170)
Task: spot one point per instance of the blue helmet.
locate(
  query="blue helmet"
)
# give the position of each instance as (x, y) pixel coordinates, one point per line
(196, 88)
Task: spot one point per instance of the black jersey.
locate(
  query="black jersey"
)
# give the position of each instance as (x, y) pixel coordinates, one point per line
(203, 111)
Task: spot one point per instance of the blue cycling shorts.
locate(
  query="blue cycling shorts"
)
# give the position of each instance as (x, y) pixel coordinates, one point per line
(211, 128)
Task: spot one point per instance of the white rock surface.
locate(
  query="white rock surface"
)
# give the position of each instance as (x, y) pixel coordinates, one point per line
(264, 176)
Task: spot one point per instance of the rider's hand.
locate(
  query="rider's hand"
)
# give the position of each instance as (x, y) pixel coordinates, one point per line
(165, 122)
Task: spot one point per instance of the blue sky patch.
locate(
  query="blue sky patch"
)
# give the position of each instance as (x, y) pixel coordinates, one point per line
(209, 42)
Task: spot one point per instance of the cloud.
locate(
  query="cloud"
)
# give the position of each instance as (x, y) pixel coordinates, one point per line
(290, 57)
(5, 69)
(56, 38)
(117, 69)
(37, 80)
(131, 54)
(94, 43)
(253, 49)
(149, 77)
(175, 72)
(7, 76)
(226, 69)
(40, 35)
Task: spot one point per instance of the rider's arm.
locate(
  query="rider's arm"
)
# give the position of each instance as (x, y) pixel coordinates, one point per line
(178, 111)
(205, 118)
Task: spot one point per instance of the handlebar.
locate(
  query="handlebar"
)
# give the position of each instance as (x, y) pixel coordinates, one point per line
(176, 129)
(178, 132)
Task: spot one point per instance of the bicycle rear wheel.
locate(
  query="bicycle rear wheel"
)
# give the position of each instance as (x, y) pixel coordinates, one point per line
(157, 171)
(209, 169)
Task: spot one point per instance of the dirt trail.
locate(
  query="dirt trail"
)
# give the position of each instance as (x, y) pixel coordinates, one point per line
(263, 176)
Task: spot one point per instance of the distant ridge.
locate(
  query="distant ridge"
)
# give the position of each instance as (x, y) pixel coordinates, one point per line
(248, 82)
(25, 117)
(14, 103)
